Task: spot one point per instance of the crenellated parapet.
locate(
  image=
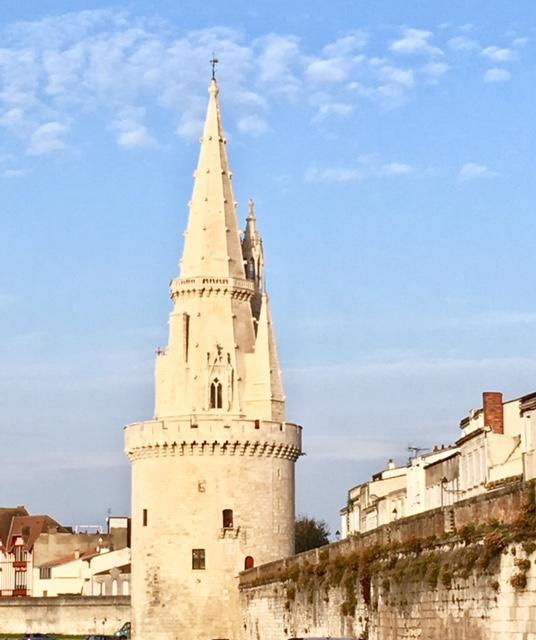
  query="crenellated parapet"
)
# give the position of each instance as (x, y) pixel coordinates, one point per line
(210, 437)
(205, 286)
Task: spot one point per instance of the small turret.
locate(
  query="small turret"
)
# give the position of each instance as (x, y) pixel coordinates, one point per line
(254, 259)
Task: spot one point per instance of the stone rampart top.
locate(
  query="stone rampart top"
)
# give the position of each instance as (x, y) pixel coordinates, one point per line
(211, 435)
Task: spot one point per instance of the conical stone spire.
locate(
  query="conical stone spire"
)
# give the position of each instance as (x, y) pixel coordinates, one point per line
(212, 241)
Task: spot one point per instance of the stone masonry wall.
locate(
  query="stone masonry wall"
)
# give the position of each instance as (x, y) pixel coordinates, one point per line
(439, 576)
(64, 615)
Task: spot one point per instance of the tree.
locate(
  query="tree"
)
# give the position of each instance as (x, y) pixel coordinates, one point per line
(310, 533)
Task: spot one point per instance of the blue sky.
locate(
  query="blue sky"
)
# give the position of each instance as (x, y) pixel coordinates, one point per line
(390, 149)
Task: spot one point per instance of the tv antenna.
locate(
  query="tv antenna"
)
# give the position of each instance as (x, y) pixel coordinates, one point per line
(414, 452)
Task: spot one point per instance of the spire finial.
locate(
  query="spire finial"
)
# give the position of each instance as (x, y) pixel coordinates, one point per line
(251, 208)
(214, 62)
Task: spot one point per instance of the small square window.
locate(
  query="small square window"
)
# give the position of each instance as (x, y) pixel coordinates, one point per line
(198, 558)
(44, 573)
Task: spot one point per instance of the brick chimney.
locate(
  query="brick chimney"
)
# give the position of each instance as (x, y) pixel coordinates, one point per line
(493, 411)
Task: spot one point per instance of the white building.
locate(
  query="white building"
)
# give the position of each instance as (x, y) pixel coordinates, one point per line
(527, 410)
(432, 480)
(498, 445)
(91, 573)
(490, 446)
(377, 502)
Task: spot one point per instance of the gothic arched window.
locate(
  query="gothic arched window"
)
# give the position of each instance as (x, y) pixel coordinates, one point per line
(216, 394)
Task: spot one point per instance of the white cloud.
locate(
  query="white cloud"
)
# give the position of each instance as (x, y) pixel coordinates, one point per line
(138, 138)
(47, 138)
(497, 75)
(498, 54)
(277, 62)
(463, 43)
(346, 45)
(415, 41)
(520, 42)
(435, 69)
(60, 69)
(336, 175)
(395, 169)
(395, 75)
(415, 366)
(331, 71)
(131, 132)
(473, 171)
(254, 125)
(495, 319)
(13, 173)
(334, 108)
(369, 166)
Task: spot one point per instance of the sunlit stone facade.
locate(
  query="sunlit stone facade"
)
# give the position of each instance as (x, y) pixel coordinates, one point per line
(213, 473)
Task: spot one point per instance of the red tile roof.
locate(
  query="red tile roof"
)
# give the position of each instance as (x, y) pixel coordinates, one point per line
(30, 528)
(6, 516)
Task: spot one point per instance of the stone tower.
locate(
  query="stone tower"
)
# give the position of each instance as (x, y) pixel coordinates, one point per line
(213, 473)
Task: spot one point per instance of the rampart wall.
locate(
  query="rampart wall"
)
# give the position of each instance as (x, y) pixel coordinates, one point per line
(466, 572)
(76, 615)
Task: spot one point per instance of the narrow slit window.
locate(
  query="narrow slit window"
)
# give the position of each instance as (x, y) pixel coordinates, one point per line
(198, 559)
(227, 515)
(185, 335)
(251, 269)
(144, 517)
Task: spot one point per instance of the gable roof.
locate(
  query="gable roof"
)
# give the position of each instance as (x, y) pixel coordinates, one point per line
(29, 528)
(6, 516)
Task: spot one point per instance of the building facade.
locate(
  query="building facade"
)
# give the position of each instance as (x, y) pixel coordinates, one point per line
(39, 557)
(213, 472)
(497, 446)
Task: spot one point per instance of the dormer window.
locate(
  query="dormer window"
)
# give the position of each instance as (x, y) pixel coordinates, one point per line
(216, 394)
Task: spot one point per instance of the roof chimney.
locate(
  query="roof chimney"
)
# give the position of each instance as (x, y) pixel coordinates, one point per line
(391, 464)
(493, 411)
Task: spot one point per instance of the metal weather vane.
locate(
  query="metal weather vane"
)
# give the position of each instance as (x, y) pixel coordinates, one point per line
(214, 62)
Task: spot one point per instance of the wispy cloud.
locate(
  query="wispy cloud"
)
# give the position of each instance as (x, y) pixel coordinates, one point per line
(495, 319)
(44, 461)
(352, 448)
(131, 131)
(435, 69)
(48, 138)
(463, 43)
(474, 171)
(499, 54)
(254, 125)
(13, 173)
(415, 41)
(414, 366)
(368, 166)
(332, 109)
(497, 75)
(124, 69)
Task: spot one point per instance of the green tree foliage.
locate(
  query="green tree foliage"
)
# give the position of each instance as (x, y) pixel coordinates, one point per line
(310, 533)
